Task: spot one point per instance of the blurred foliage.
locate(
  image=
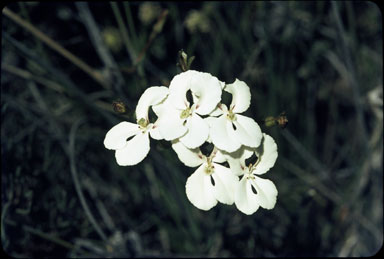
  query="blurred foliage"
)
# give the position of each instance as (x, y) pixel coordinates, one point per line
(63, 193)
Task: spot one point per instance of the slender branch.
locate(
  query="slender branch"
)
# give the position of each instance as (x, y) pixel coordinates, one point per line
(71, 154)
(123, 31)
(98, 43)
(48, 83)
(352, 73)
(155, 30)
(43, 235)
(55, 46)
(131, 25)
(303, 152)
(331, 195)
(28, 76)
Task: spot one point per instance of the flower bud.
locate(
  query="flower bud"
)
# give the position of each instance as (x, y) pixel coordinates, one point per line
(119, 107)
(270, 121)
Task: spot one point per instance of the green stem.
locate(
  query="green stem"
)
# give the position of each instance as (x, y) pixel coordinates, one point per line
(131, 25)
(55, 46)
(43, 235)
(123, 31)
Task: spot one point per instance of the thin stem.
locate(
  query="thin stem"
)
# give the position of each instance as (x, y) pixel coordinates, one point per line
(71, 154)
(330, 194)
(43, 235)
(24, 12)
(214, 152)
(95, 35)
(28, 76)
(114, 75)
(155, 30)
(253, 167)
(351, 73)
(303, 152)
(131, 25)
(48, 83)
(55, 46)
(123, 31)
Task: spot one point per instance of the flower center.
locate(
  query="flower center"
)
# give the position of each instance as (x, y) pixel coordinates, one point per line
(209, 169)
(185, 113)
(251, 167)
(250, 176)
(231, 116)
(143, 123)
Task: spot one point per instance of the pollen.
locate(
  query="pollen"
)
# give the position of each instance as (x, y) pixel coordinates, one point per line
(185, 113)
(209, 170)
(231, 116)
(250, 176)
(143, 123)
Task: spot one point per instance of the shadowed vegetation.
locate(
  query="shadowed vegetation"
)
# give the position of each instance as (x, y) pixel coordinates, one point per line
(64, 64)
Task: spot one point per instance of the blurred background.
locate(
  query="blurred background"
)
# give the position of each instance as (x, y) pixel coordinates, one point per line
(64, 64)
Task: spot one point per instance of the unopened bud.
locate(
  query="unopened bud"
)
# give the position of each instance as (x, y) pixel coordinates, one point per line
(183, 55)
(184, 61)
(280, 120)
(270, 121)
(119, 107)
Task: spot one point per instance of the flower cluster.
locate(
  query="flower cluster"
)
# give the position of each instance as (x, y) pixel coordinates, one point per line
(190, 122)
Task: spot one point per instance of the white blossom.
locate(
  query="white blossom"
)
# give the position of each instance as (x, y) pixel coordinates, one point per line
(235, 138)
(181, 118)
(252, 191)
(130, 140)
(231, 130)
(211, 182)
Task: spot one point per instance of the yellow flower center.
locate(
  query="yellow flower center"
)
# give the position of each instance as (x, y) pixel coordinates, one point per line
(143, 123)
(209, 169)
(250, 176)
(231, 116)
(185, 113)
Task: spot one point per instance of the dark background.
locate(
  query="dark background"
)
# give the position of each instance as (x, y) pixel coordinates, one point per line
(63, 193)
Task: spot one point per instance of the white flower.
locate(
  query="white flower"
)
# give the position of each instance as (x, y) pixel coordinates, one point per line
(211, 182)
(236, 160)
(130, 140)
(252, 191)
(182, 120)
(235, 138)
(231, 130)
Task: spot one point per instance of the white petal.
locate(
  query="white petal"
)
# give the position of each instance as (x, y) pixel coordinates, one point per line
(208, 121)
(178, 88)
(247, 131)
(266, 192)
(245, 199)
(246, 152)
(135, 150)
(161, 107)
(199, 189)
(236, 160)
(170, 124)
(222, 84)
(225, 183)
(220, 136)
(241, 96)
(154, 131)
(206, 90)
(267, 153)
(217, 111)
(151, 96)
(219, 157)
(197, 133)
(116, 137)
(189, 157)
